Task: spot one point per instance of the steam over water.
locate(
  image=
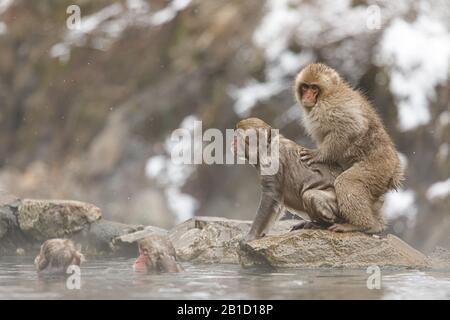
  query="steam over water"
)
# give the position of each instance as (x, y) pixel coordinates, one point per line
(114, 279)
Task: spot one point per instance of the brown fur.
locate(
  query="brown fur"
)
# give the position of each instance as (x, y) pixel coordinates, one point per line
(56, 255)
(348, 131)
(295, 186)
(161, 256)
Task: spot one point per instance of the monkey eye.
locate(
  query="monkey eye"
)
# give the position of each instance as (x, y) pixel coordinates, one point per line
(304, 86)
(315, 87)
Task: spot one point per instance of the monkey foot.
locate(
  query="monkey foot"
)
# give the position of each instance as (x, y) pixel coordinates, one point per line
(344, 227)
(305, 225)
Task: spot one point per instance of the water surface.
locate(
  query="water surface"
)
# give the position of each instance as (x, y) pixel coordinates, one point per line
(114, 279)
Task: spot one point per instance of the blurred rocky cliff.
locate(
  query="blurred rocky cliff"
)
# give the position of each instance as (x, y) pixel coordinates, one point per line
(87, 113)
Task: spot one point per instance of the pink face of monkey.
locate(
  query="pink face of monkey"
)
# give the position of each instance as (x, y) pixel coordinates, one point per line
(156, 254)
(309, 94)
(140, 265)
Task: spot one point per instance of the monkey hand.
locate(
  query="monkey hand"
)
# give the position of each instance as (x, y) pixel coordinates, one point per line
(310, 156)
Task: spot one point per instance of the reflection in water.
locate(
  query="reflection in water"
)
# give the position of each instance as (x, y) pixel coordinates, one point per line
(114, 279)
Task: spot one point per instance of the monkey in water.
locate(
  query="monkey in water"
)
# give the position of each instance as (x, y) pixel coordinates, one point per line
(350, 133)
(156, 254)
(56, 255)
(295, 185)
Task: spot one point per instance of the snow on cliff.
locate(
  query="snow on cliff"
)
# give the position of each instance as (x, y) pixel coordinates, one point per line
(418, 57)
(107, 24)
(172, 176)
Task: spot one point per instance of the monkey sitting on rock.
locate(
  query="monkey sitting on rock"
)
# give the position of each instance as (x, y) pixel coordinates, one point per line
(348, 132)
(156, 254)
(56, 255)
(295, 185)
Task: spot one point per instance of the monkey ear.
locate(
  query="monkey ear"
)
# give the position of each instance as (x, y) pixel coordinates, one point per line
(334, 78)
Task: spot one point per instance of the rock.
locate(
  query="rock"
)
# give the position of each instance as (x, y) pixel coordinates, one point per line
(323, 248)
(8, 204)
(440, 258)
(99, 238)
(156, 253)
(11, 237)
(45, 219)
(141, 234)
(213, 239)
(26, 224)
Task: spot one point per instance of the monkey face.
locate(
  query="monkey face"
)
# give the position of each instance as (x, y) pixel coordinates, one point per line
(148, 255)
(246, 143)
(309, 94)
(141, 263)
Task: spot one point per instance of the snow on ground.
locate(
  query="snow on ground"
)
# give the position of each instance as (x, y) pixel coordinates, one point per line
(418, 56)
(400, 203)
(439, 190)
(172, 176)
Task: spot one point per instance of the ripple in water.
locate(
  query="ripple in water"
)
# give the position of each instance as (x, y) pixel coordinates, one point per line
(114, 279)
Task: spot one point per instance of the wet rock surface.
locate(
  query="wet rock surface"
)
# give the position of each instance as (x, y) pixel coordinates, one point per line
(11, 238)
(45, 219)
(214, 239)
(26, 223)
(440, 258)
(140, 234)
(323, 248)
(98, 239)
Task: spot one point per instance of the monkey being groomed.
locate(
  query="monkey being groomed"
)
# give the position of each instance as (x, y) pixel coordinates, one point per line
(56, 255)
(295, 185)
(156, 254)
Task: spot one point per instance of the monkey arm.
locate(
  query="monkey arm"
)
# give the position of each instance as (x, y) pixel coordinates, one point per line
(332, 146)
(342, 127)
(331, 149)
(270, 206)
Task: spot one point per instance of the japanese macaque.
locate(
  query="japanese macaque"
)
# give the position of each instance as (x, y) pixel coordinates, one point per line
(156, 254)
(348, 132)
(295, 185)
(56, 255)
